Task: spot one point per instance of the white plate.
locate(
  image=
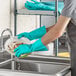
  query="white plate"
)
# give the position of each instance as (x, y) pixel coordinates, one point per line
(15, 39)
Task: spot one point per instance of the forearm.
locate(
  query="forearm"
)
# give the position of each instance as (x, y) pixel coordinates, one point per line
(50, 36)
(56, 31)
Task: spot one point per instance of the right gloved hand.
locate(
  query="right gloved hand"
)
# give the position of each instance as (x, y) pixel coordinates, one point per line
(38, 33)
(26, 49)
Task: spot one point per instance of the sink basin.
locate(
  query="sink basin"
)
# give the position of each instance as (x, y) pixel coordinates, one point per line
(69, 74)
(37, 66)
(51, 68)
(43, 70)
(44, 65)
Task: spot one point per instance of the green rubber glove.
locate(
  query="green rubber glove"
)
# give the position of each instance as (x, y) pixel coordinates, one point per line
(48, 6)
(35, 1)
(25, 49)
(38, 33)
(40, 6)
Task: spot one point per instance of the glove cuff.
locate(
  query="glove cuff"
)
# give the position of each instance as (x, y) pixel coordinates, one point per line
(38, 46)
(38, 33)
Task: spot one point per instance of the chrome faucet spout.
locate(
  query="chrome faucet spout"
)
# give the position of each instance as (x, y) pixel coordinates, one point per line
(2, 36)
(5, 31)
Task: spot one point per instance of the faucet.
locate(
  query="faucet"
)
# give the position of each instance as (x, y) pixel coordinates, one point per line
(2, 48)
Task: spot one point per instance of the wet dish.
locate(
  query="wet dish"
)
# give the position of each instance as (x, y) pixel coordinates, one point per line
(13, 43)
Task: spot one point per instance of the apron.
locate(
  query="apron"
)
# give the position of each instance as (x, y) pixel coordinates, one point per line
(71, 31)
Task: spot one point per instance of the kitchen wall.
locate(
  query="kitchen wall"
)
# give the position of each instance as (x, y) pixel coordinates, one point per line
(4, 14)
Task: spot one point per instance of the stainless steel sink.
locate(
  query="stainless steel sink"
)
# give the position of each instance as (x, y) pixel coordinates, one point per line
(69, 74)
(39, 65)
(49, 66)
(44, 65)
(51, 69)
(4, 72)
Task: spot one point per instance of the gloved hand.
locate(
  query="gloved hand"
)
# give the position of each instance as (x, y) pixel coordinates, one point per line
(38, 33)
(25, 49)
(35, 1)
(22, 49)
(38, 6)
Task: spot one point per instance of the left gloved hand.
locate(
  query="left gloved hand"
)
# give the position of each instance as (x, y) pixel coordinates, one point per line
(22, 49)
(35, 34)
(25, 49)
(35, 1)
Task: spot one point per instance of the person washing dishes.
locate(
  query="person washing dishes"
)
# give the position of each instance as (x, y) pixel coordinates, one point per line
(67, 19)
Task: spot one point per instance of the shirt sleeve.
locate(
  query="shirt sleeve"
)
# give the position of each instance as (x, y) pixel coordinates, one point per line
(69, 9)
